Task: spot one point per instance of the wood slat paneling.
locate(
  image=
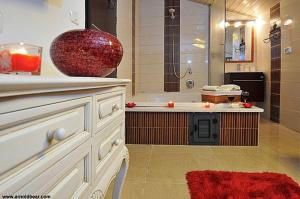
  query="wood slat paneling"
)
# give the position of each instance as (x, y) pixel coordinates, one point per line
(239, 129)
(250, 7)
(156, 128)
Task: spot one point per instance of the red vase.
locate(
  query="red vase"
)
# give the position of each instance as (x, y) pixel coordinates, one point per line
(89, 53)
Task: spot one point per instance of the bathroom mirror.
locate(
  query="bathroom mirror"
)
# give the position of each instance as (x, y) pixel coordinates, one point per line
(239, 43)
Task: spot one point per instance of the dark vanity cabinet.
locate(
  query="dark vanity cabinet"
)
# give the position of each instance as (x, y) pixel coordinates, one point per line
(252, 82)
(204, 128)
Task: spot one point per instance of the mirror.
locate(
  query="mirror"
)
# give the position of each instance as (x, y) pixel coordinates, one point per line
(239, 44)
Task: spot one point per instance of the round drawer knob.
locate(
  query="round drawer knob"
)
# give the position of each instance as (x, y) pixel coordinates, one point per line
(117, 142)
(59, 134)
(115, 108)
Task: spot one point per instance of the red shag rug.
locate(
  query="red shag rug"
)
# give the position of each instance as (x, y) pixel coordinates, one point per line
(237, 185)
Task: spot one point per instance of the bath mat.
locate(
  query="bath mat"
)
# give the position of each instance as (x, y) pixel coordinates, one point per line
(238, 185)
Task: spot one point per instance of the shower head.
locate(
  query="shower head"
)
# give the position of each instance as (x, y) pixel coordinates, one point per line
(172, 11)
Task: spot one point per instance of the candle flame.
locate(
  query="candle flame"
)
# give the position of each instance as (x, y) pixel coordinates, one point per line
(22, 51)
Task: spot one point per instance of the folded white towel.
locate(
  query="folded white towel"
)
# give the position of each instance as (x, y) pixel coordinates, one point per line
(230, 87)
(211, 88)
(227, 87)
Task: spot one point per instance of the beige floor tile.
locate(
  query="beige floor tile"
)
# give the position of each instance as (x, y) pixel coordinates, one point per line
(159, 171)
(201, 150)
(171, 167)
(217, 150)
(158, 190)
(131, 190)
(159, 150)
(234, 162)
(139, 160)
(135, 174)
(139, 148)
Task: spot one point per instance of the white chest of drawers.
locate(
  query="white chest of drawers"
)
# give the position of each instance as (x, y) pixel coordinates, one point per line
(62, 137)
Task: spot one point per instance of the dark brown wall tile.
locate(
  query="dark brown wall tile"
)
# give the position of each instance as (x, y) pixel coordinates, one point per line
(275, 66)
(172, 45)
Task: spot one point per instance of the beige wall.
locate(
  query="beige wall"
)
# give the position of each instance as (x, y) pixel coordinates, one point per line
(263, 60)
(217, 41)
(39, 22)
(290, 70)
(194, 24)
(124, 33)
(150, 46)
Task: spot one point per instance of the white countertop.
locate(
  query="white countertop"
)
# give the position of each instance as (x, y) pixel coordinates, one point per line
(192, 107)
(12, 85)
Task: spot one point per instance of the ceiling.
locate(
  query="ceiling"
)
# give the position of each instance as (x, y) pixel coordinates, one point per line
(208, 2)
(249, 8)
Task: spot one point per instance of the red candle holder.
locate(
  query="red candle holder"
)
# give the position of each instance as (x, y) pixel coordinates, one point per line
(171, 104)
(20, 57)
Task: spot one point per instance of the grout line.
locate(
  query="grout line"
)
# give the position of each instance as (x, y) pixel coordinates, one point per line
(148, 163)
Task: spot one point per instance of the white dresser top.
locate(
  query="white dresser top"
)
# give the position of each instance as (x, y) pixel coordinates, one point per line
(12, 85)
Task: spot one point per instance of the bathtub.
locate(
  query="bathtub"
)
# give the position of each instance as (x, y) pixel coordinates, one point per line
(152, 122)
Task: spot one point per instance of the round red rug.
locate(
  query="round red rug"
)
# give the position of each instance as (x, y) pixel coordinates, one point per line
(238, 185)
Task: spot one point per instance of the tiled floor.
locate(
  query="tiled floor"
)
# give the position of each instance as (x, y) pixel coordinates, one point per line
(158, 172)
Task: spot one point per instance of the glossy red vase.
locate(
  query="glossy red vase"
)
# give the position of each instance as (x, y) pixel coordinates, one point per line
(88, 53)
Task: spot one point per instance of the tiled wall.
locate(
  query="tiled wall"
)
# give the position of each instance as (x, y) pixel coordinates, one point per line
(172, 47)
(194, 24)
(150, 46)
(290, 66)
(133, 46)
(153, 68)
(124, 33)
(217, 41)
(263, 60)
(275, 65)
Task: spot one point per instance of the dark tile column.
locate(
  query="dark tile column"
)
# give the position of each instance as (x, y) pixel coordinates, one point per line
(172, 29)
(275, 64)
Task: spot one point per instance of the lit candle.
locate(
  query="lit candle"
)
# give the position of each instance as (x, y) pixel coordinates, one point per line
(171, 104)
(207, 105)
(25, 63)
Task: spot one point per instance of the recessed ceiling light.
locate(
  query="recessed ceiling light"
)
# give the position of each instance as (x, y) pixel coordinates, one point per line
(288, 21)
(250, 23)
(237, 24)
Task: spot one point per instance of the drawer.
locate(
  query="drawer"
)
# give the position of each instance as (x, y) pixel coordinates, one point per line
(107, 141)
(42, 129)
(69, 177)
(108, 107)
(64, 173)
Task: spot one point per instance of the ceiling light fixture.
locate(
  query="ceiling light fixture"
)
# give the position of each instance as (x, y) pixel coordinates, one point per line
(288, 22)
(237, 24)
(250, 23)
(259, 22)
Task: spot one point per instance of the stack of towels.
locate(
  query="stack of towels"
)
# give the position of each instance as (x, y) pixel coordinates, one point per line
(227, 87)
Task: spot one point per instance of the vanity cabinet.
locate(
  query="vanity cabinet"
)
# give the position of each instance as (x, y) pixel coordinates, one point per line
(62, 137)
(204, 128)
(252, 82)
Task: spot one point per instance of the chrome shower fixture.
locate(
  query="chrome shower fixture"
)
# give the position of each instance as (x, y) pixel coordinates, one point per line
(172, 11)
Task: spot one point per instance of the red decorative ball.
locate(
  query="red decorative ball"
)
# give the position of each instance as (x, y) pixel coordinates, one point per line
(89, 53)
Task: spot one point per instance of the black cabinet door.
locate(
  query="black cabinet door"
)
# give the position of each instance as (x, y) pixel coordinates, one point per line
(204, 129)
